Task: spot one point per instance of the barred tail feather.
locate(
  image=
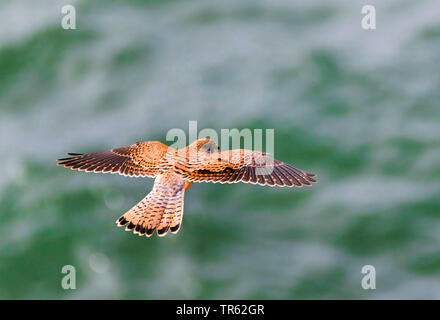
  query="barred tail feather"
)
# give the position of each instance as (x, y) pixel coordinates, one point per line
(173, 208)
(132, 216)
(176, 223)
(157, 211)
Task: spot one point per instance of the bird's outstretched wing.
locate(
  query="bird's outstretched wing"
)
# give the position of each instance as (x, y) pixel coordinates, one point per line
(139, 159)
(241, 165)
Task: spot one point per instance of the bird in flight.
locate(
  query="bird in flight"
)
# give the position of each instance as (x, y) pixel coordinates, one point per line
(175, 170)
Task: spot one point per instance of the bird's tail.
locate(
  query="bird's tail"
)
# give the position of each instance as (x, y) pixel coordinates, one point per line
(157, 211)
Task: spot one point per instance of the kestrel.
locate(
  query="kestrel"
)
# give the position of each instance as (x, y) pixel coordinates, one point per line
(175, 170)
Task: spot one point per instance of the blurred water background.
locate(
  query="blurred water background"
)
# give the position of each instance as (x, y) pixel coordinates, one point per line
(359, 108)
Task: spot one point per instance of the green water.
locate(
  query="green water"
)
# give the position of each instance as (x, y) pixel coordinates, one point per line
(358, 108)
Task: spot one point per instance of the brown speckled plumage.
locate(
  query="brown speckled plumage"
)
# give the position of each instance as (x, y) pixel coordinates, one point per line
(176, 170)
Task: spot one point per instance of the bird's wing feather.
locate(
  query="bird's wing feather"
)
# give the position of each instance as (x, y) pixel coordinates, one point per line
(133, 160)
(241, 165)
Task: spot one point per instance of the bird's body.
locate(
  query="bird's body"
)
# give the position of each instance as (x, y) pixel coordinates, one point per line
(175, 170)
